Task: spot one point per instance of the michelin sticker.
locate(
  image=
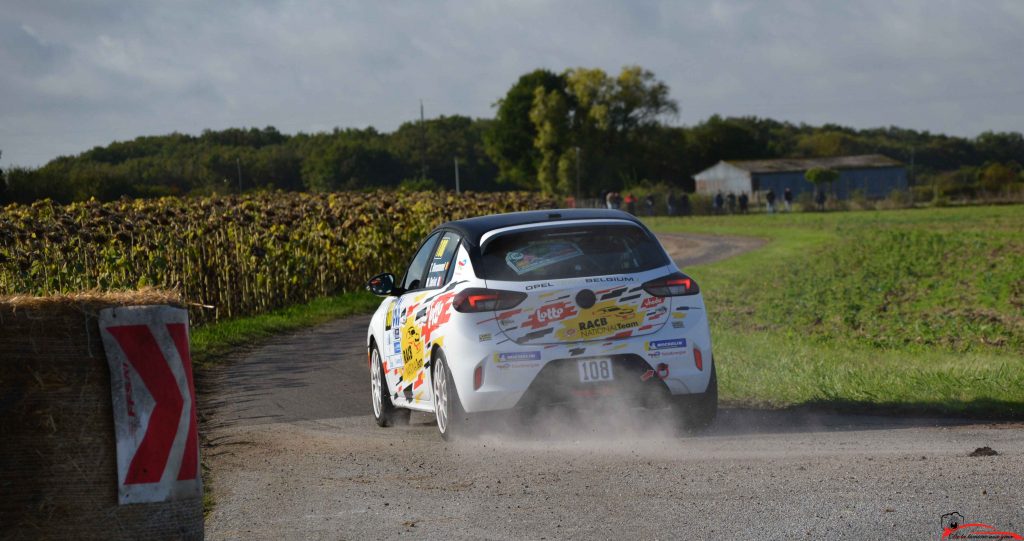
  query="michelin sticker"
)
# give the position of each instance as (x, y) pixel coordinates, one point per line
(517, 356)
(666, 344)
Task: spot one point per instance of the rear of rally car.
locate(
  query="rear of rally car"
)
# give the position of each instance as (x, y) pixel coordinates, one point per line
(577, 310)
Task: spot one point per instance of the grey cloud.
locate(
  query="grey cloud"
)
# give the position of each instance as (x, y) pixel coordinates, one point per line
(116, 69)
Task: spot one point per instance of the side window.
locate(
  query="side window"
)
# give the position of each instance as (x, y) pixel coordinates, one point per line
(442, 260)
(413, 276)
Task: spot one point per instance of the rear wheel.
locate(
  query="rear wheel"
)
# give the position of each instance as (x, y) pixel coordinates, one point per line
(694, 413)
(451, 418)
(384, 411)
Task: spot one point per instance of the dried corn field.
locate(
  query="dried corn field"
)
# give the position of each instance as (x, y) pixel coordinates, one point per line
(241, 255)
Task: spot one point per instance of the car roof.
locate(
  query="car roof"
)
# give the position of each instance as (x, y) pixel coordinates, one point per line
(472, 229)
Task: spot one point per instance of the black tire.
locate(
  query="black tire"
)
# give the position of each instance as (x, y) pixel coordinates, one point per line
(384, 410)
(451, 417)
(694, 413)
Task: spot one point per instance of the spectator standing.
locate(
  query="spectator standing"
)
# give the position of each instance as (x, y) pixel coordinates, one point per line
(670, 203)
(719, 203)
(744, 203)
(770, 198)
(649, 204)
(684, 205)
(787, 198)
(630, 204)
(730, 202)
(820, 199)
(617, 201)
(609, 199)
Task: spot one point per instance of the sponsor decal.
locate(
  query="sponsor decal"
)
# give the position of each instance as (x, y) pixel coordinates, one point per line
(538, 286)
(678, 325)
(485, 337)
(441, 247)
(536, 255)
(438, 314)
(605, 318)
(954, 526)
(439, 267)
(651, 302)
(668, 353)
(666, 344)
(517, 356)
(507, 365)
(434, 281)
(389, 315)
(398, 347)
(610, 279)
(549, 313)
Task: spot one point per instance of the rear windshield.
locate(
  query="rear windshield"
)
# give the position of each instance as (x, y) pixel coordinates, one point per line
(570, 252)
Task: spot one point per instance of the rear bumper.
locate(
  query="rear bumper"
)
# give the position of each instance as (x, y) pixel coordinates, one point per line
(521, 375)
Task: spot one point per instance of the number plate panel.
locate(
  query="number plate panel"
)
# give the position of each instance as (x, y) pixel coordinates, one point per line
(595, 370)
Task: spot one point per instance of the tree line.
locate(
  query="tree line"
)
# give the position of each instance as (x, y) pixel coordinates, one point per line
(551, 131)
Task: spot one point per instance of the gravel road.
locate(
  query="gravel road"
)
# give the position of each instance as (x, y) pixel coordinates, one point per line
(294, 453)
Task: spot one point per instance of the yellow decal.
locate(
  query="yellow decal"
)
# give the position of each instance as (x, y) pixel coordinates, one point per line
(441, 247)
(412, 349)
(678, 315)
(389, 316)
(603, 319)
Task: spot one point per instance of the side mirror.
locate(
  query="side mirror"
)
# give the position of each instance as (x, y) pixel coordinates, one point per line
(382, 284)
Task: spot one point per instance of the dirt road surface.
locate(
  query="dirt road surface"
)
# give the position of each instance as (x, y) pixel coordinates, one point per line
(295, 454)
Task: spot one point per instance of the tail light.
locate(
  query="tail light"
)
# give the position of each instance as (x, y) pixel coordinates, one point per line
(673, 285)
(478, 377)
(476, 299)
(698, 359)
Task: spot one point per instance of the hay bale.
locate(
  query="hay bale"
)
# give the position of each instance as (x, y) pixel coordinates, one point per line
(58, 466)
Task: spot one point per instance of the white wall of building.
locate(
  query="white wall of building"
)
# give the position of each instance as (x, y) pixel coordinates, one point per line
(724, 178)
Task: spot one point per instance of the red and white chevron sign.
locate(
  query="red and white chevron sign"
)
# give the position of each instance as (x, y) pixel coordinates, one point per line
(154, 402)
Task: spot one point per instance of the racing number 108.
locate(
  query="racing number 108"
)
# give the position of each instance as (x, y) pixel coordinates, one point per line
(595, 370)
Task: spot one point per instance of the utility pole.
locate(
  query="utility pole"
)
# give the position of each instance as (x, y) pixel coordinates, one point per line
(423, 143)
(577, 177)
(457, 190)
(238, 164)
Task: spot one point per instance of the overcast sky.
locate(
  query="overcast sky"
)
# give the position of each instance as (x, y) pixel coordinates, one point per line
(74, 75)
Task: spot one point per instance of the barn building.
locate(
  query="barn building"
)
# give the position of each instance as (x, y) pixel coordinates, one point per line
(873, 174)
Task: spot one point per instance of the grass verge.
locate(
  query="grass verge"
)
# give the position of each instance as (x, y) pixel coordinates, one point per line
(916, 311)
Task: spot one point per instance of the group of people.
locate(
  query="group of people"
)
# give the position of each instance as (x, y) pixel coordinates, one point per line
(728, 203)
(673, 205)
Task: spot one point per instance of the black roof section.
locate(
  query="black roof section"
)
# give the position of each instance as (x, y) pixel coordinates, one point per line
(472, 229)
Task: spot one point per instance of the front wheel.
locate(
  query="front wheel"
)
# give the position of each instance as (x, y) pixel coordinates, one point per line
(694, 413)
(451, 417)
(384, 411)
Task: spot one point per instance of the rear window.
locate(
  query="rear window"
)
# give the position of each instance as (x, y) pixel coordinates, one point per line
(552, 253)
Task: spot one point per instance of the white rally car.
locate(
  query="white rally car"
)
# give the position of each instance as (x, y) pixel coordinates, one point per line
(527, 309)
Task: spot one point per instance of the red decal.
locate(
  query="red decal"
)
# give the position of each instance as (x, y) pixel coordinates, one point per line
(419, 381)
(142, 351)
(438, 314)
(510, 313)
(549, 313)
(651, 302)
(623, 334)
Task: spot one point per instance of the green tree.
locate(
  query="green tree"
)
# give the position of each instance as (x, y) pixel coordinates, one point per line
(509, 138)
(605, 117)
(995, 177)
(820, 176)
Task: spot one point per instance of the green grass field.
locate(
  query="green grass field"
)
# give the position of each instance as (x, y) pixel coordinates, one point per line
(898, 311)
